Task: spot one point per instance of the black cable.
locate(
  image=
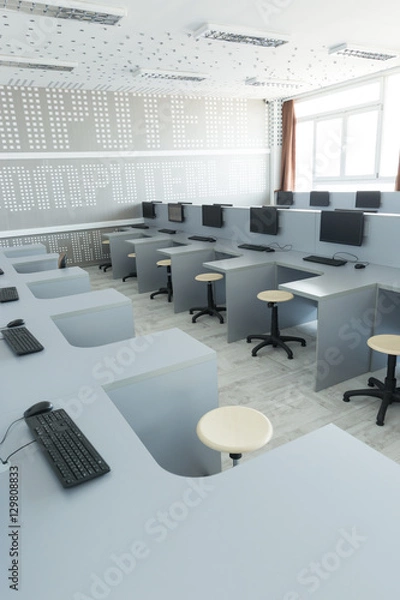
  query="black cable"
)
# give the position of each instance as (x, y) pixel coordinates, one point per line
(17, 450)
(9, 427)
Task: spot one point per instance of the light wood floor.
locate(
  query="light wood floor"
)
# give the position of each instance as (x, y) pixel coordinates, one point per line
(282, 389)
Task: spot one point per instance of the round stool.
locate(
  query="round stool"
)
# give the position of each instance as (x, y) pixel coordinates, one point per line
(273, 297)
(132, 273)
(106, 265)
(234, 429)
(211, 309)
(386, 390)
(166, 262)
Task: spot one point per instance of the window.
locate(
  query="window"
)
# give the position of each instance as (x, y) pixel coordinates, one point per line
(349, 139)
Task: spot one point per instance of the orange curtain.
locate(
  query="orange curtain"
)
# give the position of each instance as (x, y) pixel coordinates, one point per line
(288, 158)
(397, 184)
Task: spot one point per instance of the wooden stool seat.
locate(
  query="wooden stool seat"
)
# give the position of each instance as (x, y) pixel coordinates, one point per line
(385, 390)
(209, 277)
(234, 429)
(274, 338)
(165, 262)
(211, 309)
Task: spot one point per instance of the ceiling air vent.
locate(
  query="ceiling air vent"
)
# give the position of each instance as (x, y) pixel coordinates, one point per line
(149, 75)
(360, 52)
(74, 10)
(35, 63)
(240, 36)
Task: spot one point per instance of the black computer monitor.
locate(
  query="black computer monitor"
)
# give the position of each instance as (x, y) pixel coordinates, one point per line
(342, 227)
(319, 198)
(148, 210)
(368, 199)
(211, 215)
(264, 219)
(175, 213)
(284, 198)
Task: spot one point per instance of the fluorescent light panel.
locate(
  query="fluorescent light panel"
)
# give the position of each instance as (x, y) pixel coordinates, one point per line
(276, 83)
(35, 63)
(169, 75)
(75, 11)
(237, 35)
(360, 52)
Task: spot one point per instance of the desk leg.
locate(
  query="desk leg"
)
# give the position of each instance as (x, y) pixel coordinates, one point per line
(345, 322)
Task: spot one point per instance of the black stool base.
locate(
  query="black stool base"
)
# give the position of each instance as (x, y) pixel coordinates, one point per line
(386, 390)
(162, 290)
(274, 338)
(133, 274)
(211, 309)
(274, 341)
(105, 266)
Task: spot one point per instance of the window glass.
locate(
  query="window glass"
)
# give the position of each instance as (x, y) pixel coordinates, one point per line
(339, 100)
(328, 144)
(361, 143)
(391, 128)
(304, 156)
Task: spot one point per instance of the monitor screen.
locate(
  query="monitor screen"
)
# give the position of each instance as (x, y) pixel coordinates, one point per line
(368, 199)
(319, 199)
(284, 198)
(211, 215)
(264, 219)
(148, 210)
(175, 213)
(342, 227)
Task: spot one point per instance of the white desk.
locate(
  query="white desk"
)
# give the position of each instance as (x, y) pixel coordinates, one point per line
(314, 518)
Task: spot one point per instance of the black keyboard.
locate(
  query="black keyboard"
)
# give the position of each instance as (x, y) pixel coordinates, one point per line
(201, 238)
(8, 294)
(257, 247)
(325, 260)
(167, 231)
(140, 226)
(21, 341)
(70, 454)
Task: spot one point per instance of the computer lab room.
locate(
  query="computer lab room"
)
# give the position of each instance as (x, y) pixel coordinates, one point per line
(199, 299)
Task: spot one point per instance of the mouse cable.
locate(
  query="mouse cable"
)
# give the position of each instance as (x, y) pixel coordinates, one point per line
(8, 429)
(17, 450)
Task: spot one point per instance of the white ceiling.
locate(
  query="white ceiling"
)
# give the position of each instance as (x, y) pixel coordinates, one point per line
(157, 34)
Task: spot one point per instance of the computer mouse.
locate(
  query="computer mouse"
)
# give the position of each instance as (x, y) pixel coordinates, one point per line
(359, 266)
(38, 408)
(16, 323)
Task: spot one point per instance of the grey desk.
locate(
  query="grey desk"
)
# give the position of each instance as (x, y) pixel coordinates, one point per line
(297, 522)
(342, 298)
(121, 264)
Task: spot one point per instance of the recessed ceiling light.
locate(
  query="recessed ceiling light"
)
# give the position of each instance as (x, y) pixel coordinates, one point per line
(275, 83)
(240, 35)
(360, 52)
(73, 10)
(36, 63)
(169, 75)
